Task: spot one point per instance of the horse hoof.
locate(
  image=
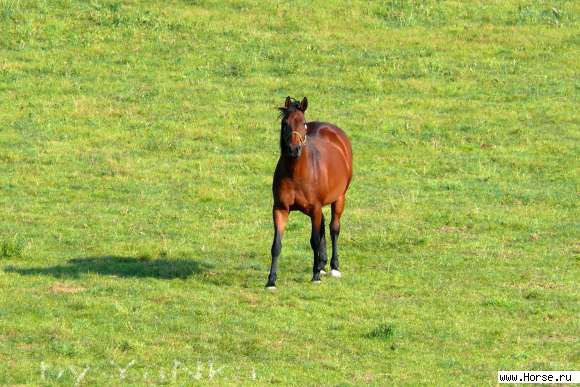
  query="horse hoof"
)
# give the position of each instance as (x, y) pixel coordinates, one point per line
(322, 272)
(335, 273)
(316, 282)
(271, 288)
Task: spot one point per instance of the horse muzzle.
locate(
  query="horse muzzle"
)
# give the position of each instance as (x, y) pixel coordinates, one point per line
(295, 150)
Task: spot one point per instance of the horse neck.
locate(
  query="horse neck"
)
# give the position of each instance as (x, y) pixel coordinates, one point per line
(297, 166)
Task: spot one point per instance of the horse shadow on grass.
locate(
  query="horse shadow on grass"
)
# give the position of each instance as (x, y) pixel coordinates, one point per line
(126, 267)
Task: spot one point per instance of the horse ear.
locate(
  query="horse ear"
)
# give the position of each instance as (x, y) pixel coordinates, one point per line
(288, 102)
(304, 104)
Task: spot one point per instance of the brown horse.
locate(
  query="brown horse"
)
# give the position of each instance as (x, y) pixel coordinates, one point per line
(314, 169)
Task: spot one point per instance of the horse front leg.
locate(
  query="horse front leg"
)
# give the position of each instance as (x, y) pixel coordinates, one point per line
(315, 242)
(280, 217)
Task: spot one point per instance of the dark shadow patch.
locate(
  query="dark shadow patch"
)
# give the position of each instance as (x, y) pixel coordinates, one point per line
(162, 268)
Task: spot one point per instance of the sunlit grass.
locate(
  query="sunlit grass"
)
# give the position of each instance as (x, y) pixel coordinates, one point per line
(137, 144)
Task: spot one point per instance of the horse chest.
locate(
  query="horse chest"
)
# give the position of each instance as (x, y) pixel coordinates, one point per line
(305, 198)
(302, 201)
(296, 196)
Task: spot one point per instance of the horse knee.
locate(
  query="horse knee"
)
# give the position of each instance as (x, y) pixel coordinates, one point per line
(335, 228)
(315, 241)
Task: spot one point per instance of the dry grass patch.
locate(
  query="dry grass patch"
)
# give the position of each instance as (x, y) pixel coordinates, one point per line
(60, 288)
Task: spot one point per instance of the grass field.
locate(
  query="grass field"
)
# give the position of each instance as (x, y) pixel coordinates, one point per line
(137, 146)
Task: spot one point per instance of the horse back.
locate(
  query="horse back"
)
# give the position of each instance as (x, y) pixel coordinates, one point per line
(324, 132)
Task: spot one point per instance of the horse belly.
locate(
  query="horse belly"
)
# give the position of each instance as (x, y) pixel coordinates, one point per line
(335, 191)
(337, 178)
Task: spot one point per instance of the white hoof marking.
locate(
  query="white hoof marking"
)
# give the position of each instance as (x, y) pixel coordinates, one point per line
(271, 288)
(322, 272)
(316, 282)
(335, 273)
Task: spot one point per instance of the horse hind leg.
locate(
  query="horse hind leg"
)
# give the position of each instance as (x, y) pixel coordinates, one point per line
(322, 248)
(336, 208)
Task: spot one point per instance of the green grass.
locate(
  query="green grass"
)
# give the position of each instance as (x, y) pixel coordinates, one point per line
(137, 146)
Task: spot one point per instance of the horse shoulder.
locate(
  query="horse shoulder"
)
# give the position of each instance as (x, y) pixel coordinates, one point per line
(330, 133)
(282, 188)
